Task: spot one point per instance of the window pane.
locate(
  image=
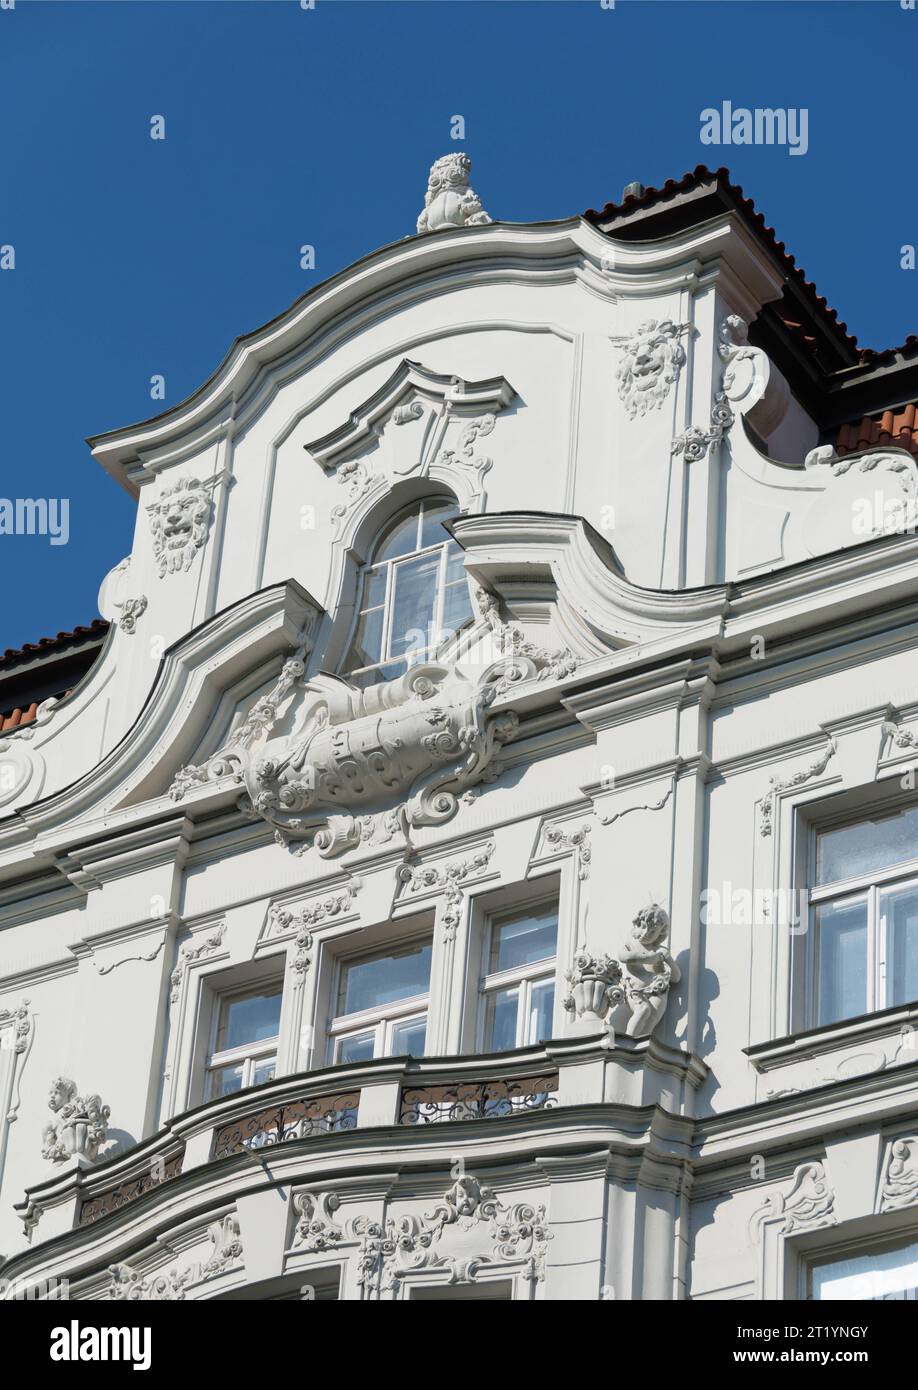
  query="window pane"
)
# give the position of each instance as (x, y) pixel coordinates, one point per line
(500, 1020)
(870, 845)
(374, 588)
(901, 910)
(522, 940)
(409, 1037)
(889, 1274)
(366, 647)
(432, 532)
(358, 1048)
(401, 540)
(369, 984)
(414, 586)
(455, 563)
(842, 941)
(264, 1071)
(456, 607)
(226, 1080)
(542, 1003)
(249, 1020)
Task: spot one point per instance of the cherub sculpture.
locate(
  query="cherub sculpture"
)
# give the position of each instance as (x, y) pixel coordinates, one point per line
(79, 1126)
(648, 970)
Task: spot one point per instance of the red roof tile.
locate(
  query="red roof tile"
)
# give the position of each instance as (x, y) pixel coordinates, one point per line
(891, 427)
(97, 628)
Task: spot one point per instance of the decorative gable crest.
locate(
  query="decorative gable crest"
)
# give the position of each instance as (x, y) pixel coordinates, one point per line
(418, 423)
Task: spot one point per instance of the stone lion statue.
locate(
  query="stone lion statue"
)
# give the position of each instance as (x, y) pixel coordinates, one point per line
(651, 362)
(179, 522)
(449, 202)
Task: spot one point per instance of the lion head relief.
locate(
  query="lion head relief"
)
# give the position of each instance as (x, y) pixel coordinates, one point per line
(179, 520)
(652, 357)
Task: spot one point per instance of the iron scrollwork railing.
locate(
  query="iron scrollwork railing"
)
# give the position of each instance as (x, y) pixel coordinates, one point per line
(477, 1100)
(281, 1124)
(114, 1198)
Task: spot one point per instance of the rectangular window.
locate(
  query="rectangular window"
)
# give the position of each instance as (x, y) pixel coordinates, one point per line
(244, 1042)
(518, 985)
(880, 1275)
(865, 917)
(381, 1008)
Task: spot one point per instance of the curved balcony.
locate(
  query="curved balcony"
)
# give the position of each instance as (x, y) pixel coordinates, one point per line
(332, 1127)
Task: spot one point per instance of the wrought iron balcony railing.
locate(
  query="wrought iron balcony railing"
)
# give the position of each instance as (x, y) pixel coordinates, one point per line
(477, 1100)
(281, 1124)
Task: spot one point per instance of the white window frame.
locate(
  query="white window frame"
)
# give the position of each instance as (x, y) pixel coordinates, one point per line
(250, 1055)
(383, 1019)
(871, 886)
(523, 976)
(412, 655)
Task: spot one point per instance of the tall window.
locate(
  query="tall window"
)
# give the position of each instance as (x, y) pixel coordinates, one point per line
(881, 1275)
(865, 917)
(244, 1042)
(381, 1008)
(413, 594)
(518, 988)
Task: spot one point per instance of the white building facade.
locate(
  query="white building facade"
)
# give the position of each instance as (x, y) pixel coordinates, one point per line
(482, 859)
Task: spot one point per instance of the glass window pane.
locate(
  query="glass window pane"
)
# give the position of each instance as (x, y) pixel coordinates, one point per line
(374, 588)
(432, 532)
(414, 588)
(401, 540)
(409, 1038)
(226, 1080)
(842, 942)
(249, 1019)
(455, 563)
(541, 1007)
(264, 1070)
(500, 1019)
(522, 940)
(867, 846)
(358, 1048)
(887, 1274)
(456, 607)
(369, 984)
(366, 647)
(901, 912)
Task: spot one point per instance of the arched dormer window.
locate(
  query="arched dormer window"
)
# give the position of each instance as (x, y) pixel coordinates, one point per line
(413, 594)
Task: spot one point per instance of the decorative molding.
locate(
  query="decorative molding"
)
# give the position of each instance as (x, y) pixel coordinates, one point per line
(652, 358)
(522, 660)
(650, 806)
(808, 1204)
(179, 522)
(129, 1284)
(150, 955)
(79, 1126)
(21, 1024)
(695, 443)
(131, 610)
(899, 737)
(449, 201)
(749, 384)
(301, 919)
(594, 986)
(783, 784)
(555, 839)
(447, 878)
(317, 1230)
(466, 1233)
(189, 954)
(899, 1186)
(417, 743)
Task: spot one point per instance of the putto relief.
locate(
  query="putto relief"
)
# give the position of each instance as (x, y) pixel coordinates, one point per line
(652, 358)
(79, 1124)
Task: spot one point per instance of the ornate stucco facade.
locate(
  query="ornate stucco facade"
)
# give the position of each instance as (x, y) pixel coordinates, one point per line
(686, 645)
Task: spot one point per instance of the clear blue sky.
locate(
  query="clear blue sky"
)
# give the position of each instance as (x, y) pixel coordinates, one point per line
(286, 126)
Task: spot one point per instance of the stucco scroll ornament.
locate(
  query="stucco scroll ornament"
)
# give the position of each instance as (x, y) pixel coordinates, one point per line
(463, 1234)
(19, 1023)
(317, 1228)
(577, 840)
(449, 201)
(189, 954)
(450, 878)
(783, 784)
(647, 971)
(309, 915)
(652, 358)
(130, 1285)
(523, 660)
(179, 522)
(417, 742)
(900, 1181)
(130, 611)
(79, 1126)
(465, 455)
(808, 1204)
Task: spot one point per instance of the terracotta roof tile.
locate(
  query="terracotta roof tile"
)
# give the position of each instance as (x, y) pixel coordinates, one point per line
(97, 628)
(891, 427)
(18, 717)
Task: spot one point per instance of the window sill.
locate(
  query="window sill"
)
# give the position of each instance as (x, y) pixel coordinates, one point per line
(836, 1051)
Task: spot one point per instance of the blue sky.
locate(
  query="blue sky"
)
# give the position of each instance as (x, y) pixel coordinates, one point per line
(287, 126)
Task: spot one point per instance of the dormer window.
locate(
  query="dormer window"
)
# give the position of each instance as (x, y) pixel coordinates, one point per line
(413, 594)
